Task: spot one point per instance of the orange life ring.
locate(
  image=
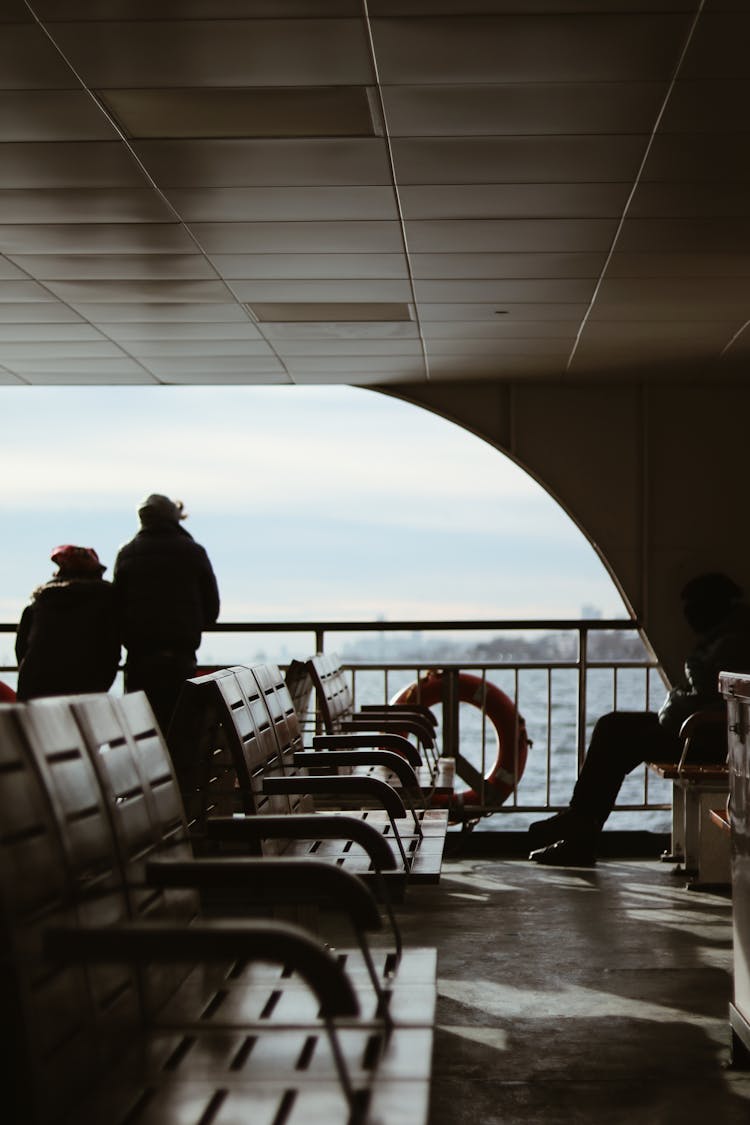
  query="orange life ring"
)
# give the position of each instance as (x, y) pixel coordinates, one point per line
(510, 729)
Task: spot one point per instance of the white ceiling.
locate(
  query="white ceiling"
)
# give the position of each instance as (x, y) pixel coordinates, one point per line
(501, 190)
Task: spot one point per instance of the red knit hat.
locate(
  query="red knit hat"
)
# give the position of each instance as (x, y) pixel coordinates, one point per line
(77, 560)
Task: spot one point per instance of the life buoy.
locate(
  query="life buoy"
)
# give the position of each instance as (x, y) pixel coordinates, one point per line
(7, 695)
(510, 729)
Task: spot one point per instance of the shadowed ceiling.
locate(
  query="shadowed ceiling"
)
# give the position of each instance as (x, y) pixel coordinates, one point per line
(239, 191)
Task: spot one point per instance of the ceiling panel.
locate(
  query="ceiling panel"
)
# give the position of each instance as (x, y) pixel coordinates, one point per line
(177, 330)
(518, 312)
(500, 328)
(13, 332)
(94, 238)
(687, 199)
(192, 348)
(218, 52)
(513, 222)
(515, 109)
(497, 367)
(192, 9)
(240, 163)
(342, 331)
(115, 267)
(518, 160)
(302, 237)
(516, 291)
(106, 312)
(38, 312)
(680, 264)
(28, 61)
(288, 349)
(521, 200)
(319, 291)
(280, 204)
(87, 205)
(68, 164)
(58, 115)
(700, 107)
(699, 156)
(323, 267)
(522, 48)
(720, 51)
(551, 235)
(170, 368)
(528, 265)
(301, 111)
(101, 290)
(119, 365)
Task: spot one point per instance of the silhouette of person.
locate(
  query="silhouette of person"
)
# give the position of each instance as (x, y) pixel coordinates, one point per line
(621, 740)
(166, 594)
(67, 640)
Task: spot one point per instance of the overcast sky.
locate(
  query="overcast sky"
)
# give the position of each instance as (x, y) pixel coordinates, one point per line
(319, 502)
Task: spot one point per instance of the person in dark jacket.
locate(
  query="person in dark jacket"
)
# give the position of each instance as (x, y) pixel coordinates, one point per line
(621, 740)
(166, 595)
(67, 640)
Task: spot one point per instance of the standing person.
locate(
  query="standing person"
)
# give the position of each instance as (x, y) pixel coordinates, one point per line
(167, 595)
(621, 740)
(67, 640)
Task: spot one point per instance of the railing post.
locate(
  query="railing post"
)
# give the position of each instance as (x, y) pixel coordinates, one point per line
(583, 648)
(450, 713)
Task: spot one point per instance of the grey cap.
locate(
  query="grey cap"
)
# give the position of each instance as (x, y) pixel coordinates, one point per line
(159, 507)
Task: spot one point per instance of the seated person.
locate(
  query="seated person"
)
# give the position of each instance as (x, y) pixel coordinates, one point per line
(67, 640)
(622, 740)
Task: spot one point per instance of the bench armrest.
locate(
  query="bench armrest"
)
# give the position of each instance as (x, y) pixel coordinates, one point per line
(395, 709)
(392, 725)
(277, 942)
(372, 787)
(381, 741)
(304, 826)
(274, 881)
(394, 762)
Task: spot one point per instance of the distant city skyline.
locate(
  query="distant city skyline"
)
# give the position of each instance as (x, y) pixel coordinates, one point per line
(313, 502)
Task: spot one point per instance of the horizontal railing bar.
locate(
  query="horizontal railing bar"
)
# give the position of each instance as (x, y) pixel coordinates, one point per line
(564, 624)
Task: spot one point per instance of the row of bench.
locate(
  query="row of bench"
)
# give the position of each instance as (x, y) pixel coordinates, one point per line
(146, 974)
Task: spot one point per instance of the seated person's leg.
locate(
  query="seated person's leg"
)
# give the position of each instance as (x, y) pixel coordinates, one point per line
(620, 741)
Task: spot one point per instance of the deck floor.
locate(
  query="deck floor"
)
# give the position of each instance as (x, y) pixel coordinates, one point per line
(578, 996)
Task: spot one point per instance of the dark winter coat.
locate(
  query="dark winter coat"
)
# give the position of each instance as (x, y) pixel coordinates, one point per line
(68, 640)
(165, 589)
(724, 648)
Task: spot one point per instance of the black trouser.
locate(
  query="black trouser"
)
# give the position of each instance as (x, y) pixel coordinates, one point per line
(161, 675)
(620, 742)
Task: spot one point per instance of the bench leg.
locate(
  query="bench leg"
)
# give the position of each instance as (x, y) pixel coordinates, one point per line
(676, 853)
(707, 848)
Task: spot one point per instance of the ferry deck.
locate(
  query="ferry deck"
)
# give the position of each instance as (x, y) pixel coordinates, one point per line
(531, 218)
(579, 995)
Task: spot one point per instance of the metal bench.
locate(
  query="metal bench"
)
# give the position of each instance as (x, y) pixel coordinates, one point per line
(698, 785)
(116, 1004)
(241, 726)
(339, 717)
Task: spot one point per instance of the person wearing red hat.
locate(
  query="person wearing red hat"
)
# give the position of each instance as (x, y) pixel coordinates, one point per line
(68, 640)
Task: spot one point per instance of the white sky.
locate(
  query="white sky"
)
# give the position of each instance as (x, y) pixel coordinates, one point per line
(316, 502)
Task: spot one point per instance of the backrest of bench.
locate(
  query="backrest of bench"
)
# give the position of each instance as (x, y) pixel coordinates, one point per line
(234, 716)
(299, 683)
(200, 752)
(333, 693)
(282, 713)
(141, 796)
(55, 870)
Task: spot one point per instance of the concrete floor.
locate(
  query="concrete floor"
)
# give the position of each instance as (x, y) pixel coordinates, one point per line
(578, 996)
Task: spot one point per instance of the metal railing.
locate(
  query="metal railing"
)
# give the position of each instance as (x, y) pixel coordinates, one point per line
(560, 697)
